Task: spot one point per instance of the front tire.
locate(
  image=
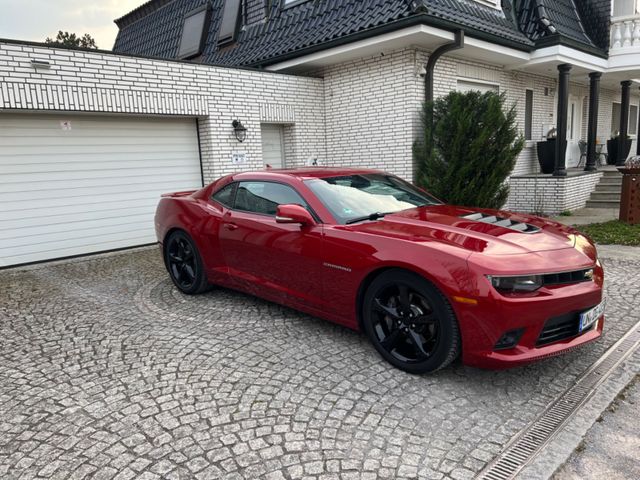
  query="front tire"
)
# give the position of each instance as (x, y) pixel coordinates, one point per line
(184, 263)
(410, 322)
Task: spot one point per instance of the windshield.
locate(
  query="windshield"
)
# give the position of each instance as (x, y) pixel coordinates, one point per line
(352, 197)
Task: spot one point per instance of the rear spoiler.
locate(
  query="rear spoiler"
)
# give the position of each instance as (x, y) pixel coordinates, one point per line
(186, 193)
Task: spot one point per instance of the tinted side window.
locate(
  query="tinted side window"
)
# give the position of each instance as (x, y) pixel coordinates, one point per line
(264, 197)
(225, 195)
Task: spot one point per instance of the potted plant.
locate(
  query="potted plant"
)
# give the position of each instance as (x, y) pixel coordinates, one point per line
(613, 147)
(547, 152)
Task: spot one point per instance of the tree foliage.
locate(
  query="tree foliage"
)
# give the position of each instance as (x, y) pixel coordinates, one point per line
(67, 39)
(469, 149)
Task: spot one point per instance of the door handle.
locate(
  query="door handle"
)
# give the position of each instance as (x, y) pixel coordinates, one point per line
(230, 226)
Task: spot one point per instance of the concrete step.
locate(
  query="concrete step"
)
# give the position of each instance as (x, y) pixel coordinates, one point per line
(599, 196)
(603, 204)
(611, 173)
(610, 181)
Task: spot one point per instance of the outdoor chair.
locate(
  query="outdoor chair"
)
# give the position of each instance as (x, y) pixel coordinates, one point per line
(582, 145)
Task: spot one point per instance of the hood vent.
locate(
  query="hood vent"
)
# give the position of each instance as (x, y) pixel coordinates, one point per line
(501, 222)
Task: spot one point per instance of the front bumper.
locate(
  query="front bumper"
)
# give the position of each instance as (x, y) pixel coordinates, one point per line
(483, 325)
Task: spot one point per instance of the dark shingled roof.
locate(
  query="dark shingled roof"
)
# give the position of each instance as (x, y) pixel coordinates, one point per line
(154, 29)
(548, 22)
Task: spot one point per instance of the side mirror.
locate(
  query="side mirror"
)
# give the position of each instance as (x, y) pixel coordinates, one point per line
(291, 213)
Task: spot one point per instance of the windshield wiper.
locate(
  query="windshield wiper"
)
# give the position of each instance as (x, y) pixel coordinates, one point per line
(372, 216)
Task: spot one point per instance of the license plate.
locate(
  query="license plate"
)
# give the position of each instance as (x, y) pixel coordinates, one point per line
(589, 317)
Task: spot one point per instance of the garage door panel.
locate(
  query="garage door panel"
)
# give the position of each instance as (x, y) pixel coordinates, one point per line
(73, 215)
(81, 158)
(59, 251)
(89, 189)
(90, 175)
(122, 149)
(15, 239)
(79, 167)
(33, 192)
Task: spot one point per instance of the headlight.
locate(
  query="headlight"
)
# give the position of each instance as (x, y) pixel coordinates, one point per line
(521, 283)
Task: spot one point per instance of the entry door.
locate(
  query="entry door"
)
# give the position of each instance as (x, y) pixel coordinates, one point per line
(273, 145)
(574, 130)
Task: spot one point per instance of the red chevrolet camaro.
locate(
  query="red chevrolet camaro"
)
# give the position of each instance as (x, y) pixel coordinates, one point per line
(425, 281)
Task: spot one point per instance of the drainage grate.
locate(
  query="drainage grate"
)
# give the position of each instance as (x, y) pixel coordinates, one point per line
(526, 445)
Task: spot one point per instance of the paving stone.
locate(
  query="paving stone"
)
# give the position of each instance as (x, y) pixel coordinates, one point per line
(107, 371)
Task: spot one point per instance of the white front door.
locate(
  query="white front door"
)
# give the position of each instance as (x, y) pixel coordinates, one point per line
(273, 145)
(574, 130)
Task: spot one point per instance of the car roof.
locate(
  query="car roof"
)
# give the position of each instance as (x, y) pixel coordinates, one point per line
(308, 172)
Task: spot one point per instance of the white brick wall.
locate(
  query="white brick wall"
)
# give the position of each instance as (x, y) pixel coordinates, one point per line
(80, 81)
(544, 194)
(370, 107)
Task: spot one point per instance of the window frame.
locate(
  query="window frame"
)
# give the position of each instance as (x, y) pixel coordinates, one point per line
(634, 118)
(203, 35)
(491, 86)
(293, 3)
(237, 183)
(234, 186)
(528, 114)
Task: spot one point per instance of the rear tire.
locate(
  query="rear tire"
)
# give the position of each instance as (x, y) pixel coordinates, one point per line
(410, 322)
(184, 263)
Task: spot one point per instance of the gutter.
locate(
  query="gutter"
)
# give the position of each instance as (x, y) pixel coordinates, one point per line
(421, 19)
(557, 39)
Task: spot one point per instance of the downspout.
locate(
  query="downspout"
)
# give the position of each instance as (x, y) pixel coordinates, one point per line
(457, 44)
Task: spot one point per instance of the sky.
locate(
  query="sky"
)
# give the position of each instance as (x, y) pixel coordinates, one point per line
(36, 20)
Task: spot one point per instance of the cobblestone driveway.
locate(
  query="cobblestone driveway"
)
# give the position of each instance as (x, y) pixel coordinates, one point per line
(106, 371)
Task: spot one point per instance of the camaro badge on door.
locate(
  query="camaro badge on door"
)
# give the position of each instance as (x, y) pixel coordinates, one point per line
(337, 267)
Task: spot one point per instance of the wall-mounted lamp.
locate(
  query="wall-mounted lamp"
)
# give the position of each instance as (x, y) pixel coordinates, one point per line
(40, 64)
(239, 130)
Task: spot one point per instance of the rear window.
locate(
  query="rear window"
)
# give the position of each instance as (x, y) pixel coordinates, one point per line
(225, 195)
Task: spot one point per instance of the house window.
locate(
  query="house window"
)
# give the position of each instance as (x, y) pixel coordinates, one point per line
(491, 3)
(528, 115)
(194, 33)
(615, 119)
(290, 3)
(625, 7)
(468, 86)
(230, 22)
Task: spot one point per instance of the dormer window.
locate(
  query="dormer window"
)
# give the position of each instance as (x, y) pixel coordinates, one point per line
(291, 3)
(230, 22)
(194, 33)
(490, 3)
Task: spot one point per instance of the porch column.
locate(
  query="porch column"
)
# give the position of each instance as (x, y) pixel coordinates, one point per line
(563, 107)
(592, 129)
(624, 121)
(638, 139)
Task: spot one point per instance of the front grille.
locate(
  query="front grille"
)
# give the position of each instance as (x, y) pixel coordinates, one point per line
(565, 278)
(559, 328)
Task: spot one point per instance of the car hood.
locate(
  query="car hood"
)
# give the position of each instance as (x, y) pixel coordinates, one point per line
(447, 224)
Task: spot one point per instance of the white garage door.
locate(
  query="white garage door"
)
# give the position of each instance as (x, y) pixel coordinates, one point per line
(71, 185)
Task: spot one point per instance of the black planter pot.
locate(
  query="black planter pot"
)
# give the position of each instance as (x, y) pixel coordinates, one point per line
(547, 155)
(613, 145)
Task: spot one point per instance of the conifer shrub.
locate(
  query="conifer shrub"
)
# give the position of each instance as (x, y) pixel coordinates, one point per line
(469, 148)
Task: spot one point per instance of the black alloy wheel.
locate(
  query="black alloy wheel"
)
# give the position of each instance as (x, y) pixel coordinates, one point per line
(184, 264)
(410, 322)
